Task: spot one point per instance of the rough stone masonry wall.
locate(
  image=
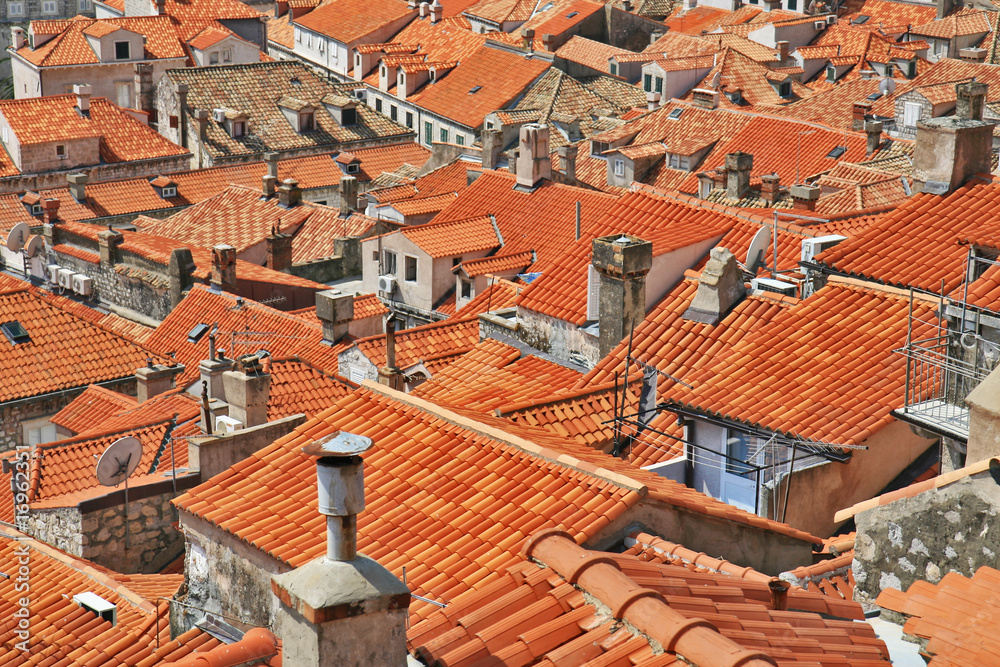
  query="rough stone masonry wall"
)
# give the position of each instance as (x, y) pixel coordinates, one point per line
(557, 337)
(951, 529)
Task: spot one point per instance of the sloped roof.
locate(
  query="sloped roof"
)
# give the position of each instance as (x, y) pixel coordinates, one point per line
(298, 387)
(455, 237)
(434, 344)
(498, 264)
(349, 21)
(588, 52)
(833, 107)
(70, 46)
(499, 294)
(738, 72)
(945, 70)
(962, 23)
(90, 408)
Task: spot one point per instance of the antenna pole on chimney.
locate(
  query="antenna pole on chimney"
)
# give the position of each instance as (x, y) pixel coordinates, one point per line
(578, 221)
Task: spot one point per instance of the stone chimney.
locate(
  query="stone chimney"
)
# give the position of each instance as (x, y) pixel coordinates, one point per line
(154, 379)
(143, 79)
(159, 7)
(655, 36)
(770, 188)
(267, 186)
(335, 312)
(437, 11)
(533, 162)
(181, 93)
(873, 136)
(943, 7)
(108, 242)
(17, 38)
(738, 168)
(390, 375)
(201, 118)
(720, 287)
(348, 195)
(971, 98)
(289, 193)
(567, 160)
(425, 9)
(50, 211)
(247, 390)
(224, 268)
(859, 112)
(83, 93)
(804, 197)
(279, 251)
(211, 371)
(78, 187)
(528, 39)
(548, 42)
(342, 608)
(622, 262)
(782, 51)
(492, 146)
(867, 73)
(652, 100)
(949, 150)
(704, 98)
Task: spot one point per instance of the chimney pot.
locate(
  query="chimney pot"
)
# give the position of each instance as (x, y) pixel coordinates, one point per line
(804, 197)
(271, 160)
(155, 379)
(335, 311)
(437, 11)
(83, 93)
(707, 99)
(224, 268)
(770, 188)
(289, 193)
(782, 51)
(528, 39)
(859, 112)
(652, 100)
(492, 145)
(247, 389)
(50, 208)
(970, 100)
(17, 37)
(720, 288)
(738, 168)
(425, 9)
(279, 251)
(948, 151)
(533, 163)
(268, 185)
(567, 160)
(779, 594)
(78, 187)
(873, 135)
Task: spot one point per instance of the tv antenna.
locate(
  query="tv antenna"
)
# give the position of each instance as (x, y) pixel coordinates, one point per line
(116, 464)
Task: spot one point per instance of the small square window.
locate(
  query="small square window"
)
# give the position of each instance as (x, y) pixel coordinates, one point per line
(444, 135)
(388, 263)
(378, 104)
(83, 5)
(15, 332)
(411, 269)
(619, 167)
(459, 139)
(169, 192)
(393, 112)
(466, 289)
(213, 58)
(306, 121)
(49, 7)
(227, 55)
(60, 150)
(122, 51)
(239, 128)
(409, 120)
(353, 168)
(15, 9)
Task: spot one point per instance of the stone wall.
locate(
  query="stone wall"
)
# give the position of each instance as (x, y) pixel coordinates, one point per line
(951, 529)
(96, 173)
(355, 366)
(345, 262)
(557, 337)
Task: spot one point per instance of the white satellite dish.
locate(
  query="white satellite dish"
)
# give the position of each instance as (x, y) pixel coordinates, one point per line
(758, 249)
(17, 236)
(118, 461)
(886, 86)
(715, 81)
(34, 245)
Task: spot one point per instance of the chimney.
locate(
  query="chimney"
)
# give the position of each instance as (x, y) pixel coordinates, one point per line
(50, 210)
(83, 92)
(342, 608)
(627, 5)
(492, 145)
(533, 163)
(706, 99)
(738, 168)
(779, 594)
(279, 251)
(17, 38)
(655, 36)
(720, 287)
(267, 186)
(201, 117)
(159, 7)
(154, 379)
(621, 262)
(437, 11)
(859, 112)
(390, 375)
(873, 135)
(867, 73)
(770, 188)
(144, 87)
(652, 100)
(425, 9)
(335, 312)
(949, 150)
(548, 42)
(804, 197)
(181, 91)
(567, 160)
(247, 390)
(782, 51)
(289, 193)
(78, 187)
(224, 268)
(211, 371)
(348, 195)
(970, 100)
(943, 7)
(528, 39)
(108, 242)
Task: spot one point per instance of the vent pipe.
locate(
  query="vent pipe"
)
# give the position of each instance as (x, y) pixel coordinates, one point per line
(341, 490)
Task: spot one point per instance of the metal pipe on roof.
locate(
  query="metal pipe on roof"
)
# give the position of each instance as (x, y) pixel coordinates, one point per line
(578, 221)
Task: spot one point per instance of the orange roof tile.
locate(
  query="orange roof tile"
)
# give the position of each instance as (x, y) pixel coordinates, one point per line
(350, 21)
(210, 36)
(424, 205)
(499, 294)
(562, 17)
(455, 237)
(588, 52)
(367, 305)
(962, 23)
(298, 387)
(90, 408)
(944, 70)
(433, 344)
(70, 46)
(498, 264)
(191, 17)
(833, 107)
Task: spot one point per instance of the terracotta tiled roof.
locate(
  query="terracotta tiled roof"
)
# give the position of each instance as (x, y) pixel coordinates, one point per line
(886, 13)
(944, 70)
(931, 610)
(753, 50)
(532, 612)
(840, 334)
(425, 205)
(90, 408)
(211, 35)
(833, 107)
(499, 294)
(699, 20)
(173, 404)
(191, 17)
(680, 44)
(562, 17)
(738, 72)
(367, 305)
(499, 11)
(70, 46)
(452, 177)
(298, 387)
(354, 20)
(455, 237)
(121, 137)
(437, 343)
(588, 52)
(255, 89)
(963, 23)
(498, 264)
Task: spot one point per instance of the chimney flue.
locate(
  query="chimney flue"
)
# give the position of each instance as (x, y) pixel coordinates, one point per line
(289, 193)
(78, 187)
(341, 490)
(738, 168)
(873, 136)
(83, 93)
(533, 162)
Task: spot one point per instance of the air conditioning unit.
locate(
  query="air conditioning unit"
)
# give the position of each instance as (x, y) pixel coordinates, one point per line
(776, 286)
(53, 272)
(83, 285)
(225, 425)
(813, 247)
(360, 94)
(831, 19)
(219, 115)
(387, 284)
(819, 25)
(66, 278)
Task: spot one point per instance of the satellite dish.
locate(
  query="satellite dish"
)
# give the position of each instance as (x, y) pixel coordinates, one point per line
(118, 461)
(758, 249)
(17, 236)
(886, 86)
(33, 246)
(715, 80)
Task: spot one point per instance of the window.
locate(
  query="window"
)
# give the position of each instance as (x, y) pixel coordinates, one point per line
(598, 147)
(614, 69)
(785, 89)
(121, 51)
(793, 5)
(320, 44)
(15, 332)
(353, 168)
(4, 135)
(60, 151)
(227, 55)
(169, 192)
(647, 82)
(40, 435)
(213, 58)
(123, 94)
(349, 116)
(460, 139)
(388, 263)
(393, 112)
(911, 114)
(831, 73)
(466, 289)
(444, 135)
(911, 69)
(298, 35)
(49, 7)
(306, 121)
(619, 167)
(15, 9)
(409, 120)
(309, 40)
(428, 132)
(83, 5)
(239, 128)
(659, 84)
(378, 104)
(410, 266)
(455, 261)
(738, 448)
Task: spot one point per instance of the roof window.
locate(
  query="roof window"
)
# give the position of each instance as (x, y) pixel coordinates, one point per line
(874, 96)
(571, 14)
(197, 333)
(675, 114)
(858, 20)
(836, 152)
(15, 332)
(475, 89)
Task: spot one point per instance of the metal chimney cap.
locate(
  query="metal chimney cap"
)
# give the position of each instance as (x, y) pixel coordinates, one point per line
(338, 444)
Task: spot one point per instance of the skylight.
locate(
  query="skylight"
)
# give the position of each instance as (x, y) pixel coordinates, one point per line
(837, 152)
(15, 332)
(475, 89)
(197, 333)
(874, 96)
(547, 7)
(675, 114)
(571, 14)
(858, 20)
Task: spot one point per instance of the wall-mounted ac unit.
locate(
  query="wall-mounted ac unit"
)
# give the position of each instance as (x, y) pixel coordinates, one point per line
(776, 286)
(831, 19)
(219, 115)
(66, 278)
(387, 284)
(83, 285)
(819, 25)
(360, 94)
(53, 272)
(813, 247)
(224, 424)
